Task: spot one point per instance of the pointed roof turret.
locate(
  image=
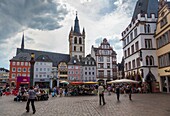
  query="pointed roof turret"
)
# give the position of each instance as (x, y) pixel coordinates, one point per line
(76, 25)
(83, 31)
(22, 43)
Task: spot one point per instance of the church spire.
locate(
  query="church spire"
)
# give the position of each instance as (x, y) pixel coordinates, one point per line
(76, 25)
(22, 44)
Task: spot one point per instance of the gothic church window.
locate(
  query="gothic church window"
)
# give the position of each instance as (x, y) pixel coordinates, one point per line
(80, 40)
(75, 40)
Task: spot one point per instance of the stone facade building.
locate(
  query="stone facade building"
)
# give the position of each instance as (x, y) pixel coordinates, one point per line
(4, 77)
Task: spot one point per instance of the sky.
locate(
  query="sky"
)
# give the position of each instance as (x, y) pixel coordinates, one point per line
(46, 24)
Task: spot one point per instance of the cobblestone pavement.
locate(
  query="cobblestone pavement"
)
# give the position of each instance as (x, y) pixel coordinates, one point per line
(141, 105)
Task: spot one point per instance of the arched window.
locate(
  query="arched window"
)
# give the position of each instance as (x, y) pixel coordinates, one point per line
(80, 40)
(75, 40)
(151, 60)
(147, 60)
(81, 48)
(74, 48)
(148, 28)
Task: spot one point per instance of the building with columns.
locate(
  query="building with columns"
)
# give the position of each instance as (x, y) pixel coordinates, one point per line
(162, 37)
(77, 41)
(105, 57)
(139, 45)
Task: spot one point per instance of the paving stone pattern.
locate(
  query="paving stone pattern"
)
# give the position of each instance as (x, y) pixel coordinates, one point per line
(141, 105)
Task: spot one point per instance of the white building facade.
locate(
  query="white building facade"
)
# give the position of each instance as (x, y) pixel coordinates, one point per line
(139, 45)
(43, 71)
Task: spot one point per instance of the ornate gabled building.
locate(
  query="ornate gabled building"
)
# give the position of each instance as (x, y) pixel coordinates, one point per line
(139, 45)
(162, 37)
(77, 41)
(106, 59)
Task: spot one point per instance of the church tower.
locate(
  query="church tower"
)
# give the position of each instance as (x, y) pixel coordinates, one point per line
(77, 41)
(22, 43)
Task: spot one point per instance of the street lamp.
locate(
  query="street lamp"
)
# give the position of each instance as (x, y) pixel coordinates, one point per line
(32, 62)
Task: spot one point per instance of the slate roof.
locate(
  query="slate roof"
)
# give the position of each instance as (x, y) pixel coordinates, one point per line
(74, 61)
(146, 7)
(54, 57)
(87, 59)
(3, 69)
(22, 57)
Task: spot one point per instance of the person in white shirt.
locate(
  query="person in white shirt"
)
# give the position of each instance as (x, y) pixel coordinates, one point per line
(101, 94)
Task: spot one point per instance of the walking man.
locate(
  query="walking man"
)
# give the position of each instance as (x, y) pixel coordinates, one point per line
(130, 92)
(31, 98)
(101, 94)
(118, 92)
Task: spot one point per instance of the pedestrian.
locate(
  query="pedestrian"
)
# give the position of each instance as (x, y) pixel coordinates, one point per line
(130, 92)
(31, 98)
(61, 92)
(101, 94)
(118, 92)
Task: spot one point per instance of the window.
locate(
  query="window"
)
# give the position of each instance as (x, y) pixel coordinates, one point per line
(13, 63)
(163, 21)
(137, 46)
(100, 65)
(108, 73)
(92, 68)
(124, 42)
(128, 51)
(23, 74)
(76, 56)
(135, 32)
(80, 40)
(40, 69)
(127, 39)
(13, 75)
(81, 48)
(75, 40)
(126, 66)
(89, 68)
(129, 65)
(85, 73)
(163, 40)
(40, 76)
(100, 58)
(132, 48)
(26, 63)
(108, 65)
(74, 48)
(17, 63)
(92, 73)
(22, 63)
(148, 43)
(131, 36)
(19, 69)
(18, 74)
(138, 62)
(133, 63)
(89, 73)
(37, 76)
(44, 69)
(108, 58)
(28, 69)
(147, 60)
(36, 69)
(147, 28)
(125, 54)
(80, 56)
(13, 69)
(24, 69)
(85, 68)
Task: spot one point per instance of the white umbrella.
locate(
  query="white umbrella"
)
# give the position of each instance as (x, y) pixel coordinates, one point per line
(124, 81)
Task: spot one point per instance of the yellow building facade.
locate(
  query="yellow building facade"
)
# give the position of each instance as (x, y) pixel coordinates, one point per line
(162, 36)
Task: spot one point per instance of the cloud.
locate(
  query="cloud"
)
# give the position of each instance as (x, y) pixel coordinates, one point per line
(18, 15)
